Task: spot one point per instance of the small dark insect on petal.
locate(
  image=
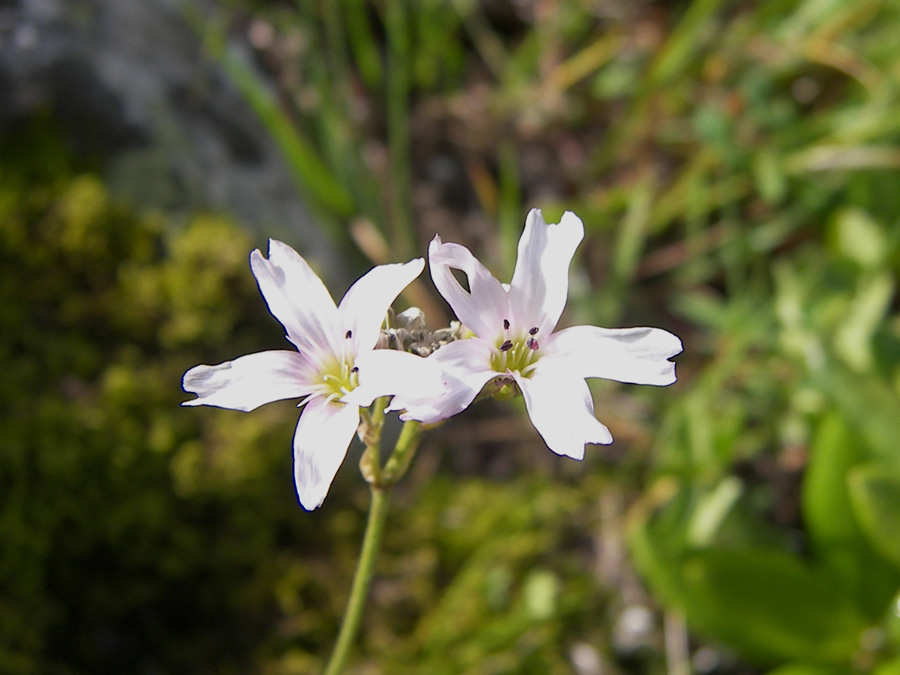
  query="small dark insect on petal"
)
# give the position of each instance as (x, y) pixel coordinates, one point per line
(533, 331)
(506, 346)
(531, 343)
(349, 334)
(505, 324)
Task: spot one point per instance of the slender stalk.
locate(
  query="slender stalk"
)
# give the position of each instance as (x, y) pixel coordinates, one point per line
(361, 580)
(403, 453)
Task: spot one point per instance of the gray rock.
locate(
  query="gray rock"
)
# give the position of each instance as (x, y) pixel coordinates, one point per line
(130, 86)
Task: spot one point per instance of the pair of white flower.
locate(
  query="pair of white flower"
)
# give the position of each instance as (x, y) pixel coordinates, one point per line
(337, 369)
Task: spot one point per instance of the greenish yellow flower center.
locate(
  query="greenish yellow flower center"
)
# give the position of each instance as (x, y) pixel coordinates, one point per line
(338, 379)
(516, 354)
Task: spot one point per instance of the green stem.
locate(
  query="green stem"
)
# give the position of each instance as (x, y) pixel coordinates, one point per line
(360, 589)
(403, 453)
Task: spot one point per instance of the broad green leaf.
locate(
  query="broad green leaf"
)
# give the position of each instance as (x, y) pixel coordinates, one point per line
(766, 603)
(875, 495)
(770, 605)
(836, 537)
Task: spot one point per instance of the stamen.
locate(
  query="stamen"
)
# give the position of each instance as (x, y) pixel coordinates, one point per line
(533, 331)
(505, 324)
(506, 346)
(354, 370)
(349, 334)
(532, 344)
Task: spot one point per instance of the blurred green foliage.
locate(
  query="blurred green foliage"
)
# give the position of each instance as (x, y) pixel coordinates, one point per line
(736, 165)
(117, 519)
(139, 536)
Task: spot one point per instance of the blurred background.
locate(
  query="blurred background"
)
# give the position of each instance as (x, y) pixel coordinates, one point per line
(737, 168)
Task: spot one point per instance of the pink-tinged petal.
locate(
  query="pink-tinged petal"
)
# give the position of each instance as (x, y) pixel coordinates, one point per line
(321, 440)
(249, 381)
(297, 298)
(485, 305)
(633, 355)
(540, 283)
(466, 369)
(363, 309)
(386, 372)
(561, 409)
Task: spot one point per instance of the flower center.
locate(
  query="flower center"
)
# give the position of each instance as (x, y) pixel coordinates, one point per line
(516, 354)
(339, 379)
(339, 376)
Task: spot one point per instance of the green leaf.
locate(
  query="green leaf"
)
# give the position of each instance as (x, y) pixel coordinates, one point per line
(871, 302)
(875, 495)
(770, 605)
(826, 503)
(859, 237)
(835, 533)
(869, 405)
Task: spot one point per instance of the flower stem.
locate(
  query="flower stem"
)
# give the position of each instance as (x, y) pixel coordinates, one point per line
(403, 453)
(361, 580)
(380, 482)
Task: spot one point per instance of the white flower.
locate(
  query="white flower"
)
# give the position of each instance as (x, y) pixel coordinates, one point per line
(336, 368)
(514, 340)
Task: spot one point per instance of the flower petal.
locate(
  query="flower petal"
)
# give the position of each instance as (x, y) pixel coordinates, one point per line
(249, 381)
(634, 355)
(561, 409)
(321, 440)
(363, 309)
(385, 372)
(297, 298)
(540, 283)
(485, 305)
(466, 369)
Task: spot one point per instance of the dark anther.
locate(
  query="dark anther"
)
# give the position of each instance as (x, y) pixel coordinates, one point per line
(354, 370)
(533, 331)
(349, 334)
(506, 346)
(505, 324)
(532, 344)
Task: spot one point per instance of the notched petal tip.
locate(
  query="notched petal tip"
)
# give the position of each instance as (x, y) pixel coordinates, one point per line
(309, 503)
(535, 217)
(676, 346)
(276, 247)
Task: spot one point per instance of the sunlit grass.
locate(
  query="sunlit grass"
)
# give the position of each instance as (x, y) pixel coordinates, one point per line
(736, 168)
